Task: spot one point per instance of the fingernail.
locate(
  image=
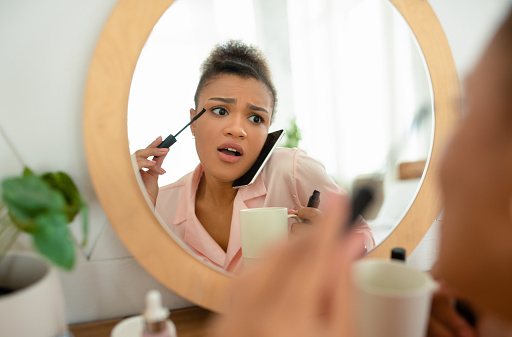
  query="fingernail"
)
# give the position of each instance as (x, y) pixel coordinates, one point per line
(152, 162)
(162, 170)
(163, 150)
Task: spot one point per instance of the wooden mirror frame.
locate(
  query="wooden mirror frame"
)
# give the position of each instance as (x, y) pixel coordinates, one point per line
(118, 190)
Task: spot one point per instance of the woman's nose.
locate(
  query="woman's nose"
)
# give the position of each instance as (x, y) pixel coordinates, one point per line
(235, 128)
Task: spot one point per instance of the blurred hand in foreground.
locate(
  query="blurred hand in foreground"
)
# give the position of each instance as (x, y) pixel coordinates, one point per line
(301, 289)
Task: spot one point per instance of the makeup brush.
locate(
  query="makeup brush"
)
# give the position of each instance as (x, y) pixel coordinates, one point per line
(170, 140)
(361, 201)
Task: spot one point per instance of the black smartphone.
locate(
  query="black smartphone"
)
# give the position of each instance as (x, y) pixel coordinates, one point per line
(270, 144)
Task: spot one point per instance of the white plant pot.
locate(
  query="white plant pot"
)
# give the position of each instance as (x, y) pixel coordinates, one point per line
(36, 307)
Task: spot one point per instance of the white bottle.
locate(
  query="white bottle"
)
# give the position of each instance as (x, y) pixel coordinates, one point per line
(156, 318)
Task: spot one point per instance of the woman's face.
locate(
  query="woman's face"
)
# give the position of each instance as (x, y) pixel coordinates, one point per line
(476, 177)
(232, 131)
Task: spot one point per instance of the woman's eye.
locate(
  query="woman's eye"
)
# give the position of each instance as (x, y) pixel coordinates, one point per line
(220, 111)
(256, 119)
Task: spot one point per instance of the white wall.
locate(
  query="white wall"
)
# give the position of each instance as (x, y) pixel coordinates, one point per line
(45, 49)
(468, 25)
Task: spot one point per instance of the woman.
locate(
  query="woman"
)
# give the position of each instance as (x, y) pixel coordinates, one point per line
(283, 297)
(202, 208)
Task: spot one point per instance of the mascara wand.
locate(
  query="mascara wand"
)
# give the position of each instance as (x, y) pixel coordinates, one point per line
(170, 140)
(362, 200)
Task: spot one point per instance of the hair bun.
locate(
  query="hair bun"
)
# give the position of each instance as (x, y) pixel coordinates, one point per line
(234, 57)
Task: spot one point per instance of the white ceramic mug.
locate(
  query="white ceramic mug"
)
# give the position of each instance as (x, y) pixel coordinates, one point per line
(262, 227)
(392, 299)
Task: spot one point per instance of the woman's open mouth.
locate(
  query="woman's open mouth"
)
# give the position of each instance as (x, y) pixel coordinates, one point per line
(230, 153)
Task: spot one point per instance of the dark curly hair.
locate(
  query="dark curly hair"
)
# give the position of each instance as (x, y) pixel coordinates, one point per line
(234, 57)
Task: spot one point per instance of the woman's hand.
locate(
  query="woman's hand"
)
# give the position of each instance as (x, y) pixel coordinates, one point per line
(312, 215)
(315, 216)
(153, 167)
(303, 289)
(445, 321)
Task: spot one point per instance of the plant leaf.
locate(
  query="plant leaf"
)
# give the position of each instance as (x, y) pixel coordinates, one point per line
(61, 182)
(27, 197)
(52, 239)
(85, 221)
(27, 172)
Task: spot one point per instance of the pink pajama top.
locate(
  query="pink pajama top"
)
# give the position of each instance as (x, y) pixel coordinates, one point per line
(287, 180)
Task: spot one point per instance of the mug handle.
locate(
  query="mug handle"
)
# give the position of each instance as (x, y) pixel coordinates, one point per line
(294, 216)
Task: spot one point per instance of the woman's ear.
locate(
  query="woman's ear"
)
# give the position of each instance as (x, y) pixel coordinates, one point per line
(193, 125)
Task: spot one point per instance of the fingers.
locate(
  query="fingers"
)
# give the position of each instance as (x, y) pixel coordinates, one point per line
(314, 265)
(298, 255)
(287, 292)
(312, 214)
(152, 151)
(308, 213)
(263, 280)
(152, 166)
(153, 170)
(438, 329)
(444, 319)
(341, 293)
(300, 229)
(156, 142)
(335, 217)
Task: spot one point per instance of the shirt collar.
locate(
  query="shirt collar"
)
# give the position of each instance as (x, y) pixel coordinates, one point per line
(195, 234)
(188, 196)
(257, 189)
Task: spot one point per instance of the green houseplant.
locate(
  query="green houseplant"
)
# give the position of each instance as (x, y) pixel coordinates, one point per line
(30, 291)
(292, 136)
(42, 206)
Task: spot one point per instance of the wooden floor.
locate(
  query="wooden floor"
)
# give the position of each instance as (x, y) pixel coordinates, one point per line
(190, 322)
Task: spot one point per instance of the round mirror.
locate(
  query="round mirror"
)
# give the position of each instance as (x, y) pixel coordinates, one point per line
(324, 95)
(108, 98)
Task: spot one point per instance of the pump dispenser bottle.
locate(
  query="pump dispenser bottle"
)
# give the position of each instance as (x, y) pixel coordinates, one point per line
(156, 322)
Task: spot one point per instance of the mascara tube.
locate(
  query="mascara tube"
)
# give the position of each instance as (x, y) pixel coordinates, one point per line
(314, 201)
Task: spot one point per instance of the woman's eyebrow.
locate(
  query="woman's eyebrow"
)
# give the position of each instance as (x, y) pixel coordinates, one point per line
(223, 100)
(257, 108)
(233, 101)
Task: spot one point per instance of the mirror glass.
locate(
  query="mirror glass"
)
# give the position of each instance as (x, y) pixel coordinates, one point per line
(348, 74)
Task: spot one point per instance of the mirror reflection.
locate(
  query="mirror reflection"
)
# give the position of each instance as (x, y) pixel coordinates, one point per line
(349, 78)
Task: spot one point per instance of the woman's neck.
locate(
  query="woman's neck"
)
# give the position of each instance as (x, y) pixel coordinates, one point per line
(214, 192)
(214, 208)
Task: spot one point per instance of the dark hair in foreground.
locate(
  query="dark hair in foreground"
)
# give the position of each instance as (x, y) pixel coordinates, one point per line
(236, 58)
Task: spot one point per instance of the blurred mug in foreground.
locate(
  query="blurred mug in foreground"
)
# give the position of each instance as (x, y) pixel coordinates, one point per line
(392, 299)
(260, 228)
